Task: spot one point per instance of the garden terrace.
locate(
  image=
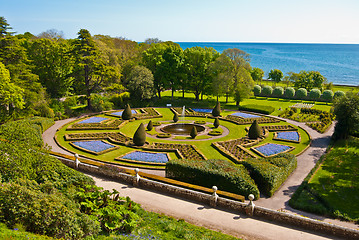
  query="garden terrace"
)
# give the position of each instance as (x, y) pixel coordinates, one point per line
(186, 151)
(244, 121)
(112, 136)
(107, 125)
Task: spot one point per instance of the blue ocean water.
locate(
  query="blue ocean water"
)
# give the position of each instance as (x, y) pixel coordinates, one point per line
(339, 63)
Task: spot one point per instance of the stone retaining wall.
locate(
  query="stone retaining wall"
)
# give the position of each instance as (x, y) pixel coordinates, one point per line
(260, 212)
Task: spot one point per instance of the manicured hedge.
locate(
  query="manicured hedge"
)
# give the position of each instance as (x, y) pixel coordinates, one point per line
(257, 108)
(270, 173)
(208, 173)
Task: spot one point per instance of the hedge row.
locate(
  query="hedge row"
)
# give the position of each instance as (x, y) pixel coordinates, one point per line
(257, 108)
(270, 173)
(208, 173)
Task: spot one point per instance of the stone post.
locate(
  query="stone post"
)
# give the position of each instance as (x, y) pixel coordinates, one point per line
(214, 199)
(250, 206)
(136, 178)
(77, 161)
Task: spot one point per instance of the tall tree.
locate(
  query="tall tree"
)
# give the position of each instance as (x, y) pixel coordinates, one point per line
(140, 84)
(197, 63)
(92, 70)
(275, 75)
(257, 75)
(4, 28)
(53, 65)
(309, 80)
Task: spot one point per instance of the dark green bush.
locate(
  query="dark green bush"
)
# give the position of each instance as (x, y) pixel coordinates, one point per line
(257, 108)
(150, 125)
(255, 131)
(193, 133)
(257, 90)
(139, 138)
(208, 173)
(216, 112)
(175, 117)
(100, 103)
(270, 173)
(216, 123)
(127, 114)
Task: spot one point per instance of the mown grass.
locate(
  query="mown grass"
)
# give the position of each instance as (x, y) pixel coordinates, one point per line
(334, 187)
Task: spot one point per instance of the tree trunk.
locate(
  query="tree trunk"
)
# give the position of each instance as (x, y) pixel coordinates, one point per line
(227, 97)
(172, 93)
(237, 103)
(217, 98)
(159, 93)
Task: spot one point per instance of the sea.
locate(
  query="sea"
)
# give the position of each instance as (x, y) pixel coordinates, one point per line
(339, 63)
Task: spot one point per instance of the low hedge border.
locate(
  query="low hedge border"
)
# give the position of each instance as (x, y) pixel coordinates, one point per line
(164, 135)
(215, 132)
(262, 155)
(275, 137)
(93, 152)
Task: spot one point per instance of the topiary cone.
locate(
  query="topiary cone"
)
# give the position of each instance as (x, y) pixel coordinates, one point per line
(216, 123)
(127, 114)
(139, 138)
(175, 118)
(150, 125)
(216, 112)
(193, 133)
(255, 131)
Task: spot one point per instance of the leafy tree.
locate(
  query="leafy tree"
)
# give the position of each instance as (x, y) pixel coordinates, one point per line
(257, 74)
(257, 90)
(53, 65)
(4, 27)
(338, 94)
(289, 92)
(140, 83)
(346, 110)
(328, 95)
(197, 64)
(243, 86)
(52, 34)
(275, 75)
(314, 94)
(301, 93)
(309, 80)
(92, 70)
(267, 91)
(278, 91)
(139, 138)
(152, 40)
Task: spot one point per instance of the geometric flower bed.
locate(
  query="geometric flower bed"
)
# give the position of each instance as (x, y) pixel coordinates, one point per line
(287, 136)
(202, 110)
(119, 113)
(93, 120)
(271, 149)
(245, 115)
(146, 157)
(186, 151)
(108, 125)
(94, 146)
(242, 121)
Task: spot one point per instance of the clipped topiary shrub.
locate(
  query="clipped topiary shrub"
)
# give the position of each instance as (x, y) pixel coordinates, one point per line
(270, 173)
(257, 90)
(215, 132)
(193, 133)
(314, 94)
(255, 131)
(328, 95)
(267, 91)
(139, 138)
(213, 172)
(278, 91)
(338, 94)
(289, 92)
(216, 112)
(164, 135)
(201, 122)
(150, 125)
(301, 93)
(127, 113)
(257, 108)
(216, 123)
(175, 117)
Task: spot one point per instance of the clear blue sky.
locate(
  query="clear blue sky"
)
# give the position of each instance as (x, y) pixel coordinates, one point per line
(312, 21)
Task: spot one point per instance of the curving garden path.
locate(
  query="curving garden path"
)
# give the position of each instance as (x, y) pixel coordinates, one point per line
(226, 221)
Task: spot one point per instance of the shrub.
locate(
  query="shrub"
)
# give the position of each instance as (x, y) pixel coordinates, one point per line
(164, 135)
(255, 131)
(212, 172)
(139, 138)
(328, 95)
(289, 92)
(149, 125)
(120, 100)
(193, 133)
(216, 123)
(257, 90)
(278, 91)
(270, 173)
(201, 122)
(267, 91)
(175, 117)
(100, 103)
(257, 108)
(127, 113)
(338, 94)
(314, 94)
(216, 112)
(301, 93)
(215, 132)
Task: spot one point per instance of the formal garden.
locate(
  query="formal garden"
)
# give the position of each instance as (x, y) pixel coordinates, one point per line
(258, 149)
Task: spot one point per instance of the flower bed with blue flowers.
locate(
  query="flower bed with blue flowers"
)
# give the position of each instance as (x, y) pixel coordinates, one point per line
(202, 110)
(94, 146)
(119, 113)
(271, 149)
(292, 136)
(93, 120)
(147, 157)
(245, 115)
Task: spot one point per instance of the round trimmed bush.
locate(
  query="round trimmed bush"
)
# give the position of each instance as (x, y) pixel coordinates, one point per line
(193, 133)
(339, 94)
(328, 95)
(289, 92)
(314, 94)
(216, 112)
(255, 131)
(278, 91)
(301, 93)
(156, 124)
(200, 122)
(150, 125)
(267, 90)
(175, 117)
(215, 132)
(216, 123)
(127, 114)
(164, 135)
(257, 90)
(139, 138)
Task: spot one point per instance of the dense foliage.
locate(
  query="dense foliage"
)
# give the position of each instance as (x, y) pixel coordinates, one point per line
(208, 173)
